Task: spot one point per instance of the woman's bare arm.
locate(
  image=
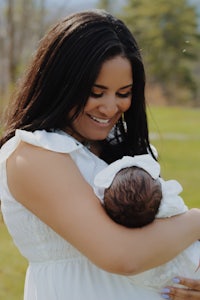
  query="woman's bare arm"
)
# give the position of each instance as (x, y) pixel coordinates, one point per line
(50, 185)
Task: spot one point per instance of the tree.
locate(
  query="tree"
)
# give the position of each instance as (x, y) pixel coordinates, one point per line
(25, 20)
(105, 4)
(22, 25)
(11, 36)
(109, 5)
(168, 34)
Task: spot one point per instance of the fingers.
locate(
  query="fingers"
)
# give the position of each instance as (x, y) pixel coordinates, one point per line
(193, 284)
(181, 294)
(190, 291)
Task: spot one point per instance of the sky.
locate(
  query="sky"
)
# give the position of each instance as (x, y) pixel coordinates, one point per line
(74, 3)
(80, 4)
(77, 5)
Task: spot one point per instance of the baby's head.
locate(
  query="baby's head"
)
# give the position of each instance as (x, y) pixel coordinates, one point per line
(133, 198)
(133, 193)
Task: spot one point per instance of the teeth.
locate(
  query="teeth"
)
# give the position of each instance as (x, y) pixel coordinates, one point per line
(102, 121)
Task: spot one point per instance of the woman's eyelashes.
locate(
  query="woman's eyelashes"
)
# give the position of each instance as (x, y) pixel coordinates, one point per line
(118, 94)
(124, 95)
(96, 95)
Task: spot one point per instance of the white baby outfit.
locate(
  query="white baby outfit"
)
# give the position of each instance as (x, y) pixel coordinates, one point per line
(57, 271)
(185, 264)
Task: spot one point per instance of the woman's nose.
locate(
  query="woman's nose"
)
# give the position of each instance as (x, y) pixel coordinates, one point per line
(109, 107)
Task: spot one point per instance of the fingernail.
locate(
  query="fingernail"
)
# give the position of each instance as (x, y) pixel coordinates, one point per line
(165, 290)
(176, 280)
(165, 296)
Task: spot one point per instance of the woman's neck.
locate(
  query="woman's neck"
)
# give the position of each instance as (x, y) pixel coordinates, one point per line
(92, 146)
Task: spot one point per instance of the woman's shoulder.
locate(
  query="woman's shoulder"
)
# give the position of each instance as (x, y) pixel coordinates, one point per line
(44, 147)
(56, 141)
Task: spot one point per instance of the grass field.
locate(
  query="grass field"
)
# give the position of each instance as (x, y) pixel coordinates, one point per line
(12, 268)
(176, 134)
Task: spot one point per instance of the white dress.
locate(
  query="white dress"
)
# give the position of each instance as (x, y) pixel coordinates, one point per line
(187, 263)
(57, 271)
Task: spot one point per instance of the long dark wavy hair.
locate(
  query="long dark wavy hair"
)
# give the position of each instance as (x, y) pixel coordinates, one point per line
(61, 76)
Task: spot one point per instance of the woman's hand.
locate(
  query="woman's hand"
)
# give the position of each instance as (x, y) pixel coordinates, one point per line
(191, 290)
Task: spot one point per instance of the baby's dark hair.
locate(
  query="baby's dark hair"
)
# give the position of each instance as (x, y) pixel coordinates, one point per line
(133, 198)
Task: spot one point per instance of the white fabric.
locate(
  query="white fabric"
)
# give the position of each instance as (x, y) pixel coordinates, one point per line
(186, 263)
(105, 177)
(171, 203)
(57, 271)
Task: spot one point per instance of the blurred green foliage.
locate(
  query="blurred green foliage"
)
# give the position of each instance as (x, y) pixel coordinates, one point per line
(168, 34)
(174, 131)
(169, 38)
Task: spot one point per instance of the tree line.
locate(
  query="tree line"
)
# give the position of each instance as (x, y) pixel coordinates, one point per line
(22, 25)
(167, 31)
(169, 35)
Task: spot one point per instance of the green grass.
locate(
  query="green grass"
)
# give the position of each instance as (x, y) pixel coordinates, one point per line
(176, 134)
(12, 267)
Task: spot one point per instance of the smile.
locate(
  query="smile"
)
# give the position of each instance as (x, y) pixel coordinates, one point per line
(101, 121)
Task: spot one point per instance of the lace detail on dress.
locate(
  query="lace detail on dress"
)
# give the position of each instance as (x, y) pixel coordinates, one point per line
(185, 264)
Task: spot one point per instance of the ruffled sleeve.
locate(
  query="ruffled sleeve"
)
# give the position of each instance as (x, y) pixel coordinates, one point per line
(54, 141)
(58, 141)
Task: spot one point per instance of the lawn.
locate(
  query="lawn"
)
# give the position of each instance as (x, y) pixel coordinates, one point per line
(176, 134)
(12, 268)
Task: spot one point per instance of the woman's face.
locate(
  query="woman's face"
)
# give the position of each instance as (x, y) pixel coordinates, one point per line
(110, 96)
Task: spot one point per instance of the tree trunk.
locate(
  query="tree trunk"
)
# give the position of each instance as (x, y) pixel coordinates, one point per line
(11, 40)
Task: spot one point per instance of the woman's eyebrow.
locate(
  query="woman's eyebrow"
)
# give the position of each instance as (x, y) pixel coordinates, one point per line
(105, 88)
(100, 86)
(126, 86)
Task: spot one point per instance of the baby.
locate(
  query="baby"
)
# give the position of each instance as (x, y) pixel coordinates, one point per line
(133, 194)
(131, 191)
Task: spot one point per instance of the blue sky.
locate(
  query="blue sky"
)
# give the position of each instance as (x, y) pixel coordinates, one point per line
(71, 3)
(63, 7)
(80, 4)
(90, 2)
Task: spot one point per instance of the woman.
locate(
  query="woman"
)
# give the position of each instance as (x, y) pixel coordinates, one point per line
(66, 124)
